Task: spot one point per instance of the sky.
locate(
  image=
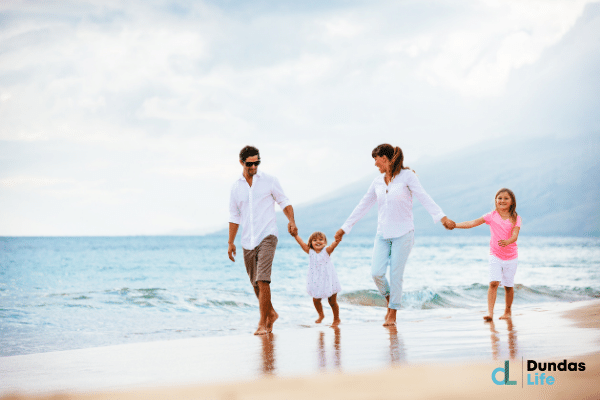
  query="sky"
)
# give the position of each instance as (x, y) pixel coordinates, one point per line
(126, 118)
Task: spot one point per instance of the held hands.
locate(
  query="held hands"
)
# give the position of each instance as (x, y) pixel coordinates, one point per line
(231, 251)
(448, 223)
(339, 234)
(292, 229)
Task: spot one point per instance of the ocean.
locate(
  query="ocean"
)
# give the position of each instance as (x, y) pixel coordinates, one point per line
(81, 292)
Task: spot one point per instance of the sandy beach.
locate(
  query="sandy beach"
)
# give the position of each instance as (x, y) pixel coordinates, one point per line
(439, 356)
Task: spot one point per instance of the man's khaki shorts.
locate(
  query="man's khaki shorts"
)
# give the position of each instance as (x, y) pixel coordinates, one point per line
(260, 259)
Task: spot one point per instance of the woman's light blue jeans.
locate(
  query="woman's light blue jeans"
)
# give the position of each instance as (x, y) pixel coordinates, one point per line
(393, 251)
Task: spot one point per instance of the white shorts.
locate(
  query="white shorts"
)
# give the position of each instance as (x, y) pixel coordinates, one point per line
(503, 271)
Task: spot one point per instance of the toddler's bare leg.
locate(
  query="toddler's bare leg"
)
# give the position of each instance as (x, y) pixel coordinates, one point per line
(335, 308)
(319, 307)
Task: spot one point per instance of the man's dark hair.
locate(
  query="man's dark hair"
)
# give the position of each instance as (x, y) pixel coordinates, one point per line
(249, 151)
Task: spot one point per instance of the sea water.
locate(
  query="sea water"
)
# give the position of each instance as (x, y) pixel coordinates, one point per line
(81, 292)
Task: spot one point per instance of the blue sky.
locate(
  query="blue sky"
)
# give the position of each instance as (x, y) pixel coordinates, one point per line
(126, 118)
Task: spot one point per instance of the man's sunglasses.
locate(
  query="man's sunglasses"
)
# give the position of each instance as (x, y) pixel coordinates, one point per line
(251, 163)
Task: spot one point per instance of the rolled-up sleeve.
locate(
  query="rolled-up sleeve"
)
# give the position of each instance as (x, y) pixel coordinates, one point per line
(235, 214)
(278, 194)
(432, 208)
(361, 209)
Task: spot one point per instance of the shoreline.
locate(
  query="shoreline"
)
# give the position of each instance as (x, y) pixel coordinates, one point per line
(444, 357)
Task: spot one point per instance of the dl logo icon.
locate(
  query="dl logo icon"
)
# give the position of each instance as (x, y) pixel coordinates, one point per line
(506, 380)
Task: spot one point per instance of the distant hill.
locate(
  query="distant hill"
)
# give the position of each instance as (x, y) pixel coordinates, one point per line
(556, 182)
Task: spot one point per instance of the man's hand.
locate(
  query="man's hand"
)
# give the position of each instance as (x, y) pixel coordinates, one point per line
(231, 251)
(339, 234)
(292, 229)
(448, 223)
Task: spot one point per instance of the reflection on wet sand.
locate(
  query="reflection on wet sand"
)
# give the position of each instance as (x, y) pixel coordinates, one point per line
(268, 354)
(397, 351)
(337, 350)
(512, 340)
(384, 344)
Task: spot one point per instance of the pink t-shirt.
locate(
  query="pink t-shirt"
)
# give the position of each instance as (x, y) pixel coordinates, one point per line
(501, 229)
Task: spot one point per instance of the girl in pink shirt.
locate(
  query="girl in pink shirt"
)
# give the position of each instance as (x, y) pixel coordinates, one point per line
(504, 226)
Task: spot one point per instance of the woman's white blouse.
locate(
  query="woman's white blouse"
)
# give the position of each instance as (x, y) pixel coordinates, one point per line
(394, 203)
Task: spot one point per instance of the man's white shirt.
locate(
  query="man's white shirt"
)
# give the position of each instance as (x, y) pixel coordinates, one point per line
(394, 203)
(253, 207)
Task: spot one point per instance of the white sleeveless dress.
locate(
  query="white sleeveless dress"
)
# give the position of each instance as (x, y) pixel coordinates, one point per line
(321, 281)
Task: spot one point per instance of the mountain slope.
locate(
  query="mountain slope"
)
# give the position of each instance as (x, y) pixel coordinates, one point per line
(556, 182)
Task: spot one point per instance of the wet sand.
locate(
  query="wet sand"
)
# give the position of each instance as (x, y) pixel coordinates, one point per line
(448, 353)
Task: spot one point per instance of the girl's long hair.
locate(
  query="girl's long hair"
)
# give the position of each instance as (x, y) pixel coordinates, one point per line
(512, 211)
(394, 154)
(313, 236)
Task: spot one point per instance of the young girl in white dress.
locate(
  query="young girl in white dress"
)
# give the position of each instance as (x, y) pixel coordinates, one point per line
(321, 281)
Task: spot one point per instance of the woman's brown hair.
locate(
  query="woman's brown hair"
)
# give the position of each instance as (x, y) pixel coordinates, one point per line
(512, 210)
(394, 154)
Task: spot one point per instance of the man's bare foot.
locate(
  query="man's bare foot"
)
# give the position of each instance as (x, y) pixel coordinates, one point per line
(321, 318)
(387, 314)
(336, 322)
(506, 316)
(261, 331)
(389, 322)
(271, 320)
(488, 318)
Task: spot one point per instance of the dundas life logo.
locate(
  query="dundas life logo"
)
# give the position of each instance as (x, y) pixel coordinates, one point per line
(506, 371)
(538, 378)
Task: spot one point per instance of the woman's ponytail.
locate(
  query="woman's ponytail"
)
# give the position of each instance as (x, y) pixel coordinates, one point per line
(397, 161)
(394, 154)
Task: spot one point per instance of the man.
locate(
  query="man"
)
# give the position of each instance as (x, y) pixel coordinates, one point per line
(252, 204)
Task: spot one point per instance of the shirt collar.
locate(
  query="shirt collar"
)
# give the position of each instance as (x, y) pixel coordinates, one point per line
(242, 177)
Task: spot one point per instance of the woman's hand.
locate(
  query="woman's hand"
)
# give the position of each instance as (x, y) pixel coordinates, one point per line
(338, 235)
(503, 243)
(448, 223)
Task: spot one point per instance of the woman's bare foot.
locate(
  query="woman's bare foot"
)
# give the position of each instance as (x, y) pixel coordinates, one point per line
(390, 318)
(488, 318)
(271, 320)
(321, 317)
(507, 315)
(336, 322)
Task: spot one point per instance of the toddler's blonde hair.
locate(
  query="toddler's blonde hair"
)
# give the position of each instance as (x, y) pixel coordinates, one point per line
(315, 235)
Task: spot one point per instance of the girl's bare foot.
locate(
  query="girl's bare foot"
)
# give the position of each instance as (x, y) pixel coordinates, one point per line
(507, 315)
(319, 308)
(488, 318)
(336, 322)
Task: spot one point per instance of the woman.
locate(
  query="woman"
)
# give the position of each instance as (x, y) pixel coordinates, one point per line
(393, 193)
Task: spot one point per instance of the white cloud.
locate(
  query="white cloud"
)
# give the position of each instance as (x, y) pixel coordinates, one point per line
(477, 60)
(150, 107)
(31, 181)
